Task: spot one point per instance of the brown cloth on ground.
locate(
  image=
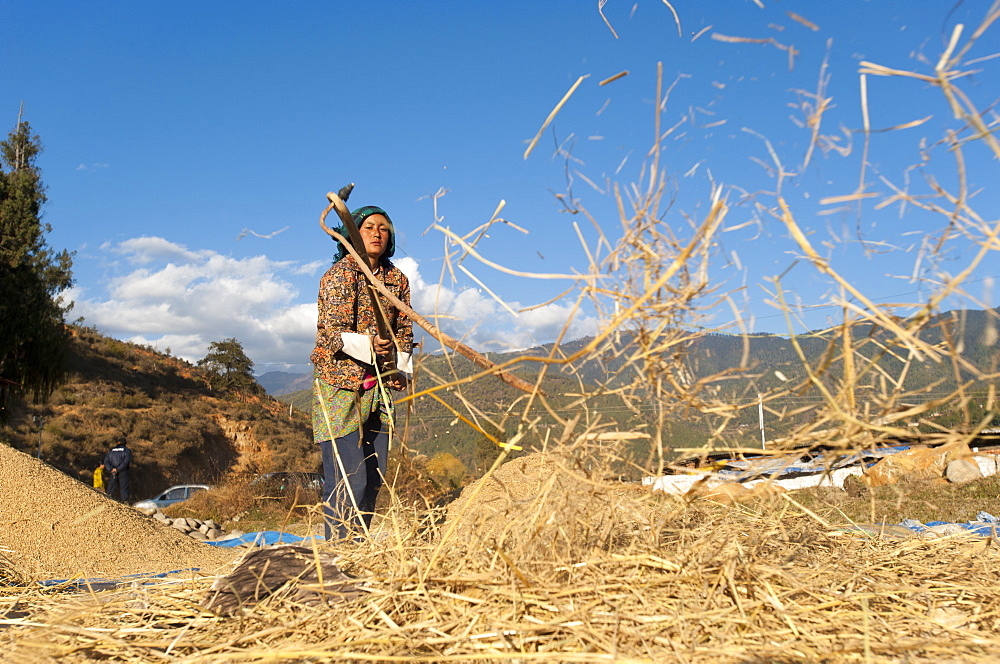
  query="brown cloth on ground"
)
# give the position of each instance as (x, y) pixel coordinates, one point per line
(311, 578)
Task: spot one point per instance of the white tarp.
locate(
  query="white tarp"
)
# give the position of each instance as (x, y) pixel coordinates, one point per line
(789, 473)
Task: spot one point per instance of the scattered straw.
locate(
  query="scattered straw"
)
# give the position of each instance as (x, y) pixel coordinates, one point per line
(550, 557)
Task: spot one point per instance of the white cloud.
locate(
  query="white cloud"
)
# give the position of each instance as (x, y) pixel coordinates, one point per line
(183, 300)
(312, 268)
(171, 297)
(481, 322)
(144, 250)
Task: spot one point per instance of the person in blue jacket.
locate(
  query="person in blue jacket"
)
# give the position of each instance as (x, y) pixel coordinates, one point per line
(117, 462)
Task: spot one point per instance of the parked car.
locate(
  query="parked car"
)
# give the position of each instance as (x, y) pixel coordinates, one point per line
(174, 494)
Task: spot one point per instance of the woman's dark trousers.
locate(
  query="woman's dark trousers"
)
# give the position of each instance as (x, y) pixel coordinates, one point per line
(365, 465)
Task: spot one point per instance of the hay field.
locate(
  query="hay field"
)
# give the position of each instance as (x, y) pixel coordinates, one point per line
(545, 558)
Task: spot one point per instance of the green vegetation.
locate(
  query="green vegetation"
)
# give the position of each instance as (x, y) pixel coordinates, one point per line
(33, 339)
(229, 368)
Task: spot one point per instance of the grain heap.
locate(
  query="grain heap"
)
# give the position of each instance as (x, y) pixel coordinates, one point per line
(54, 527)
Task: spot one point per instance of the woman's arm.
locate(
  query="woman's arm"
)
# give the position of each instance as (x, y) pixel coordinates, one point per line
(336, 307)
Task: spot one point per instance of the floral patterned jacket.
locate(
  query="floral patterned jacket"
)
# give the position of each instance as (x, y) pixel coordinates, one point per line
(345, 306)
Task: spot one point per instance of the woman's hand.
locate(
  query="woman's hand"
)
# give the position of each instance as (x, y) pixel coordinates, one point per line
(397, 381)
(383, 347)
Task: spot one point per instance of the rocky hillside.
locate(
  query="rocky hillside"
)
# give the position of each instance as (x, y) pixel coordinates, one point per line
(179, 429)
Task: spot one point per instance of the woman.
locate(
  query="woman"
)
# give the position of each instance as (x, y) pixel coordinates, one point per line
(354, 367)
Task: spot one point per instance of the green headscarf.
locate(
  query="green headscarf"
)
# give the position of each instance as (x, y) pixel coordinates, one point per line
(359, 216)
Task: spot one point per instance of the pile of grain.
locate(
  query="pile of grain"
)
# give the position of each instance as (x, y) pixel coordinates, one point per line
(54, 527)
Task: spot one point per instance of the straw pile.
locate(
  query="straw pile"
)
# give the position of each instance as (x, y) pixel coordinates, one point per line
(643, 579)
(547, 507)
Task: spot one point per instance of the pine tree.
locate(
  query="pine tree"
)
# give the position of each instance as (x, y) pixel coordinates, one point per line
(230, 368)
(33, 335)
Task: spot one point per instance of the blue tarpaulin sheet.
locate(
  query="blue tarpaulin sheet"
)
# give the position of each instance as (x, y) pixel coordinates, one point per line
(261, 538)
(985, 525)
(107, 584)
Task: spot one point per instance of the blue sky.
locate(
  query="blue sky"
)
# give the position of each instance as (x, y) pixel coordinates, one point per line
(189, 147)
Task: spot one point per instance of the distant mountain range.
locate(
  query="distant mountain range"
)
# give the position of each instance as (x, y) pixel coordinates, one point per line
(279, 383)
(762, 361)
(728, 369)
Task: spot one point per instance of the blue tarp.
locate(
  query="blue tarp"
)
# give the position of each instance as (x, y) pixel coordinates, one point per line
(107, 584)
(985, 525)
(261, 538)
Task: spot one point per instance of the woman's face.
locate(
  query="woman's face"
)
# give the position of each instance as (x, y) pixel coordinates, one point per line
(375, 231)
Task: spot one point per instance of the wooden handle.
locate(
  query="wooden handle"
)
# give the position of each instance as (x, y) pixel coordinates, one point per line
(336, 203)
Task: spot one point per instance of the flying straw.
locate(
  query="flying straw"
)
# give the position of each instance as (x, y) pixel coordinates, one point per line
(553, 114)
